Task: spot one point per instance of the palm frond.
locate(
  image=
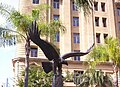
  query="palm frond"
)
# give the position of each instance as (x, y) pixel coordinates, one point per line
(41, 12)
(50, 29)
(108, 51)
(5, 10)
(93, 77)
(85, 5)
(7, 38)
(22, 22)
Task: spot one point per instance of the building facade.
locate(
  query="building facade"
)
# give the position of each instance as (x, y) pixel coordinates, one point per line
(81, 31)
(117, 17)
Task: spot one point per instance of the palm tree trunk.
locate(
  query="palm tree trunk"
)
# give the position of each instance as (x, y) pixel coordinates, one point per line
(27, 49)
(116, 75)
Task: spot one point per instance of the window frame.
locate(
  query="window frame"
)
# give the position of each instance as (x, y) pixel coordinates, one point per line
(77, 74)
(56, 17)
(76, 38)
(103, 6)
(57, 37)
(104, 21)
(105, 36)
(76, 21)
(119, 25)
(35, 2)
(118, 11)
(98, 38)
(74, 6)
(33, 52)
(97, 21)
(56, 4)
(96, 6)
(76, 58)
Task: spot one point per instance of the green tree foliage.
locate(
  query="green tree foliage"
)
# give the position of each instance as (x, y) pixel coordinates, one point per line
(105, 52)
(6, 38)
(37, 78)
(20, 23)
(92, 77)
(85, 5)
(68, 77)
(108, 51)
(50, 29)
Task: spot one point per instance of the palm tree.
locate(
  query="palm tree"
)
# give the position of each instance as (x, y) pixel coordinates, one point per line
(105, 52)
(23, 23)
(85, 5)
(91, 77)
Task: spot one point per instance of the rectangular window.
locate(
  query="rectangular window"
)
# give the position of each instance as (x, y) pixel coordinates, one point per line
(77, 74)
(75, 21)
(103, 6)
(56, 4)
(104, 22)
(77, 58)
(76, 38)
(74, 6)
(57, 37)
(35, 1)
(105, 36)
(118, 11)
(98, 37)
(96, 6)
(96, 21)
(56, 17)
(35, 14)
(119, 25)
(33, 52)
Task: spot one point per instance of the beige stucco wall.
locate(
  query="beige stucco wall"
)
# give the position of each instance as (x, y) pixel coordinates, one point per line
(86, 23)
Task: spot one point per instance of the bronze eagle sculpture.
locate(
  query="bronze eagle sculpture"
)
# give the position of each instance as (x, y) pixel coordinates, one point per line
(51, 53)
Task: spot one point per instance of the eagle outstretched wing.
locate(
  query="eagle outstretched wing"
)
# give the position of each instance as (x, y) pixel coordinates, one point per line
(49, 51)
(72, 54)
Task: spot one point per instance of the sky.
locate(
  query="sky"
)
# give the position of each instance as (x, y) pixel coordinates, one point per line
(13, 3)
(7, 53)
